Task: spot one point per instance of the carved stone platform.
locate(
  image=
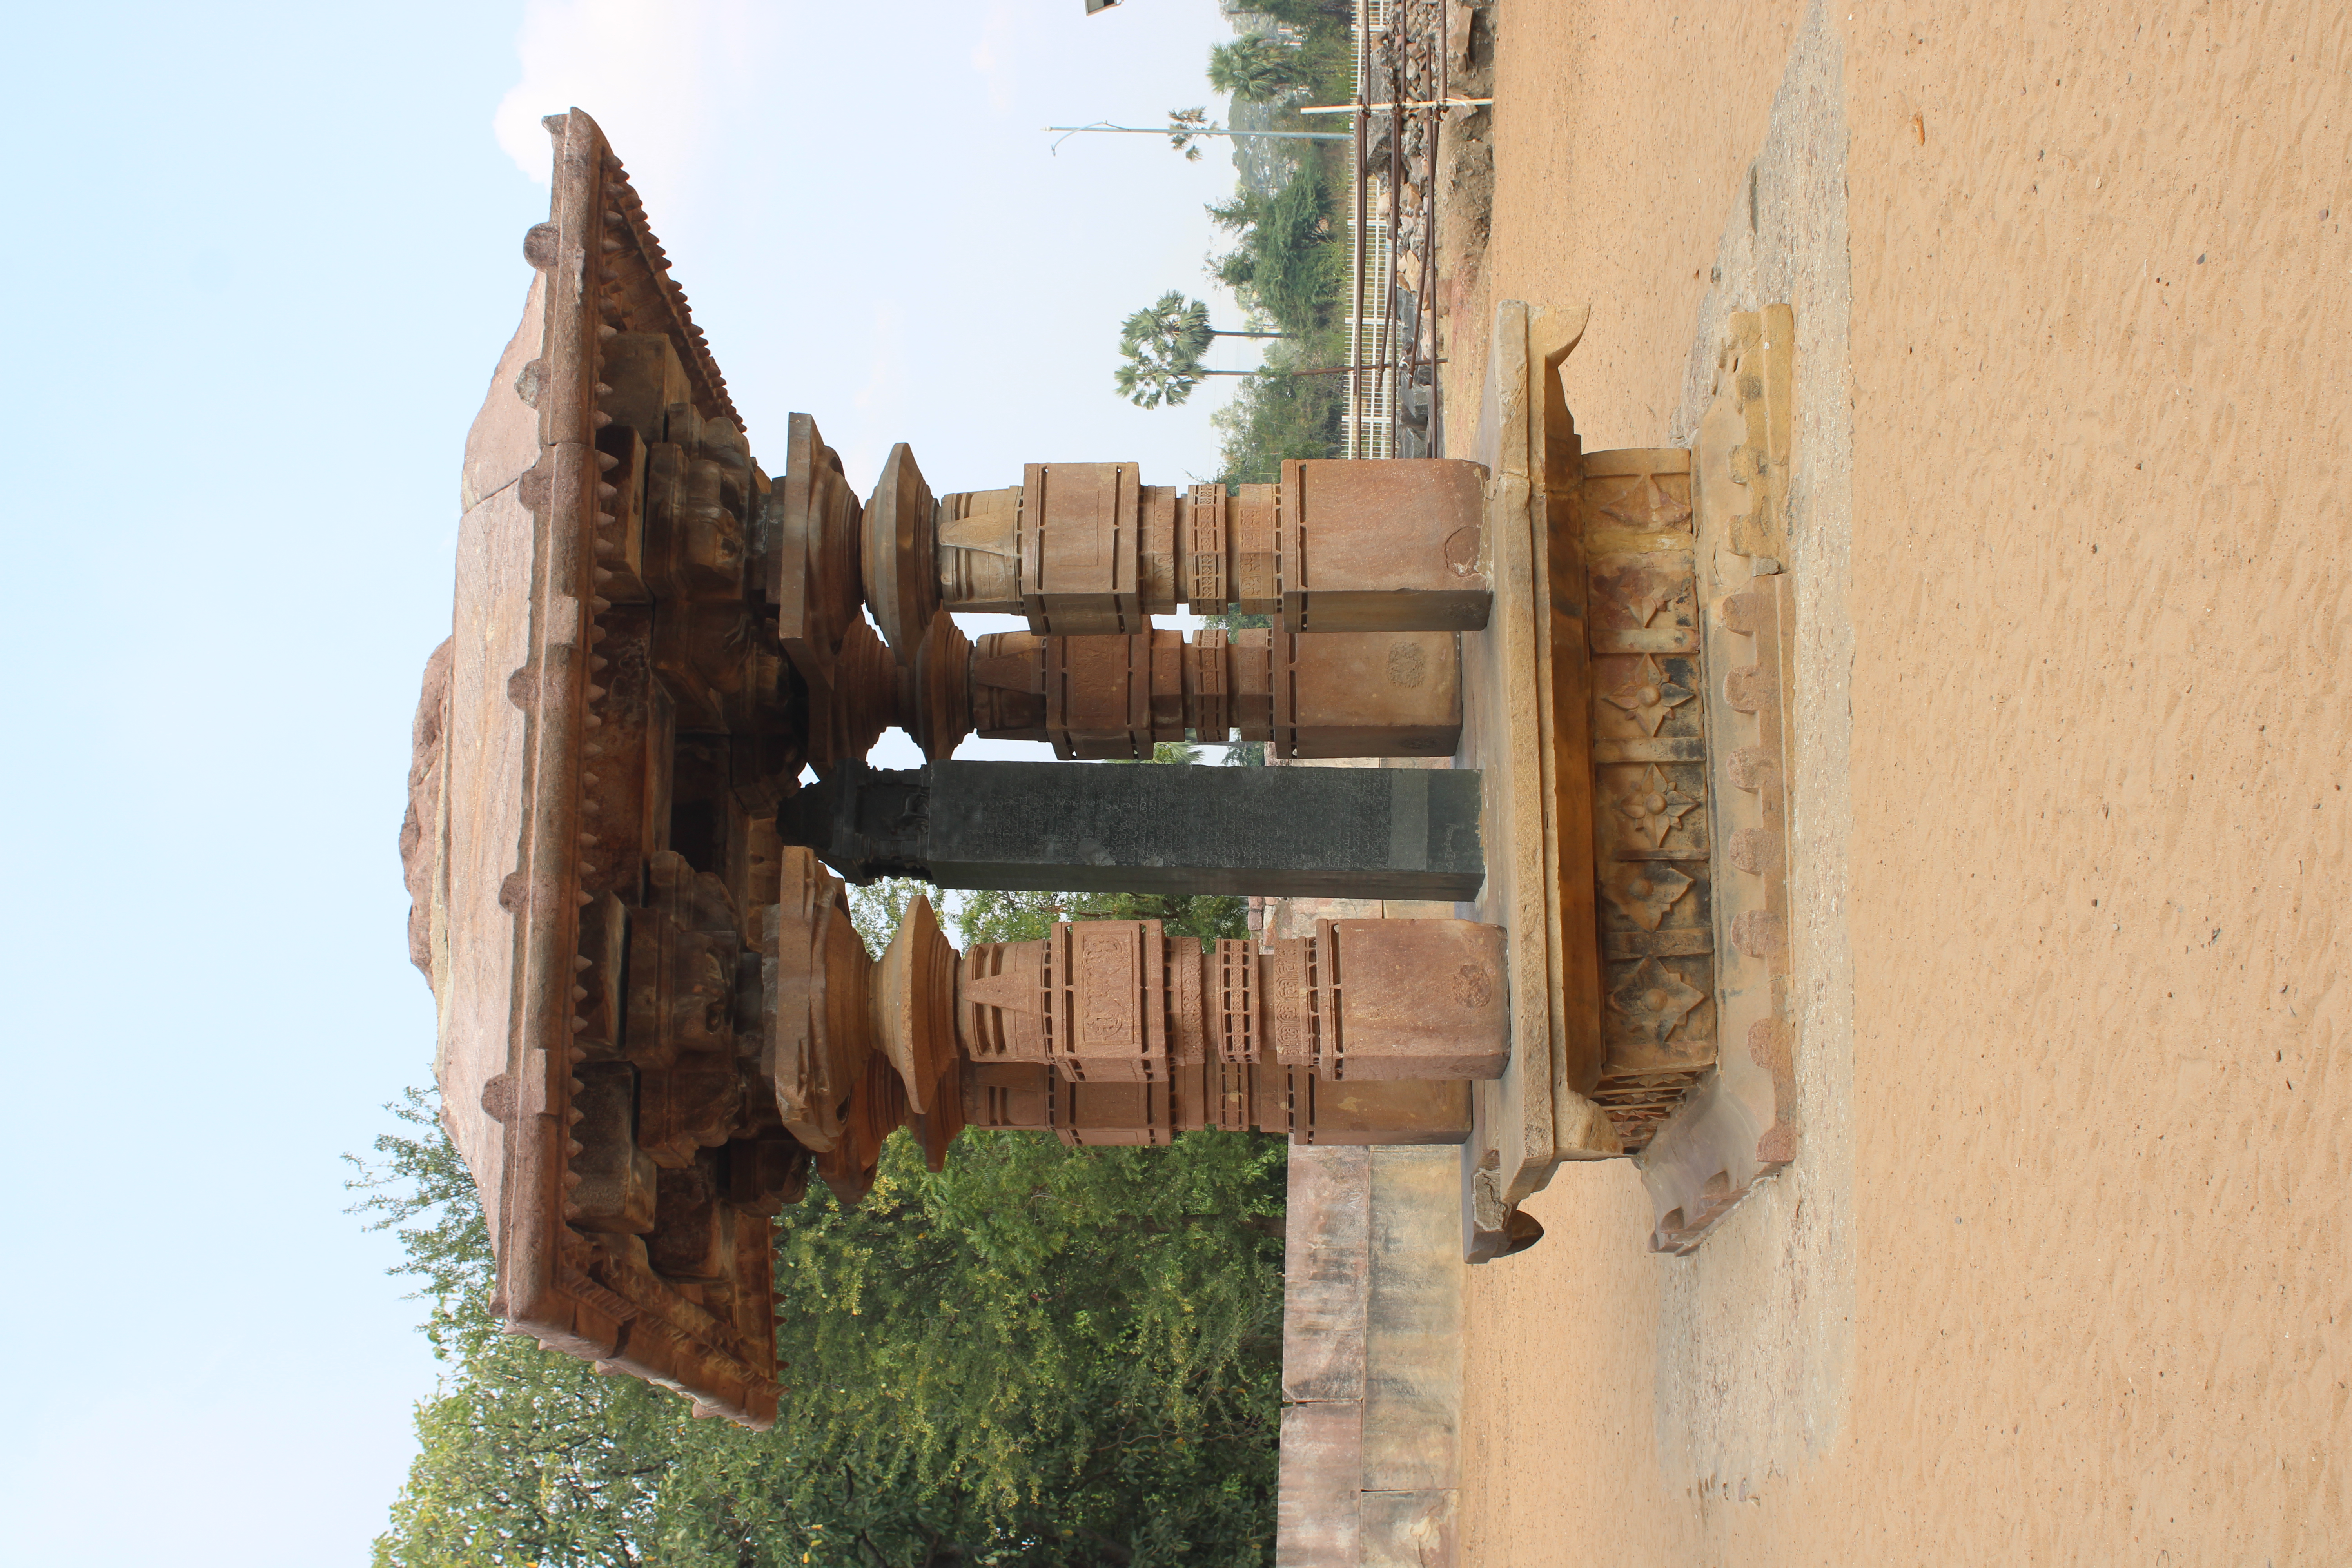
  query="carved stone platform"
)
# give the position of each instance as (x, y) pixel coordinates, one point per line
(1624, 707)
(1735, 1128)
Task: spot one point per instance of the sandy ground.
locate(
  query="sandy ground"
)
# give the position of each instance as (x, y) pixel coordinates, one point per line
(2057, 1275)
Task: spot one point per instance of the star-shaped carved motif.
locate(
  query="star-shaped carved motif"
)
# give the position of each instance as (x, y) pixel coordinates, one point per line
(1645, 503)
(1649, 697)
(1641, 597)
(1651, 1001)
(1644, 889)
(1654, 806)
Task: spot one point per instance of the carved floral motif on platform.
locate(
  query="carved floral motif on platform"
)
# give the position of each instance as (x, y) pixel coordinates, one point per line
(1650, 841)
(1650, 697)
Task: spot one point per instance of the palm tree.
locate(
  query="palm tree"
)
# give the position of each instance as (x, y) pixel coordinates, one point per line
(1148, 380)
(1163, 344)
(1171, 327)
(1261, 68)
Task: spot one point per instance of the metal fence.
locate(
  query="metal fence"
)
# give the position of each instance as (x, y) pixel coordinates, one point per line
(1368, 428)
(1399, 103)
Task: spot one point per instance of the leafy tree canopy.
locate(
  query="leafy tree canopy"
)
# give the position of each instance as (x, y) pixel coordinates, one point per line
(1041, 1355)
(1185, 127)
(1276, 416)
(1148, 379)
(1285, 264)
(1163, 344)
(1313, 15)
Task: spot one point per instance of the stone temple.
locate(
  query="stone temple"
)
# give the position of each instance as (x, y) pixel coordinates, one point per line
(657, 1023)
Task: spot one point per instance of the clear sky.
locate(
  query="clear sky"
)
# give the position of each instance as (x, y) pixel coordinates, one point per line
(264, 259)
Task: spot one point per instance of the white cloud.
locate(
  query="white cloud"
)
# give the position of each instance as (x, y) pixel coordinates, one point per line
(658, 77)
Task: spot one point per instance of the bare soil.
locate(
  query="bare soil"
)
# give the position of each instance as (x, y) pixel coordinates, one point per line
(2058, 1273)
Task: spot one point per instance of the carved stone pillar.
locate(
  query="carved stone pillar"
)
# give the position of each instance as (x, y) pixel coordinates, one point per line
(1122, 1001)
(750, 1062)
(1087, 549)
(1113, 1032)
(1360, 694)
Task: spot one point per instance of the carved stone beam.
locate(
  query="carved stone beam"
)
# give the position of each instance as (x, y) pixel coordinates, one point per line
(1369, 833)
(1087, 549)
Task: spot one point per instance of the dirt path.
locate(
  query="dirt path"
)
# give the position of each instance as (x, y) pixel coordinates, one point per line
(2057, 1276)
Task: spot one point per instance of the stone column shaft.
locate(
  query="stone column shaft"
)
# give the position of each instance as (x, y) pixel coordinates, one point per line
(1346, 833)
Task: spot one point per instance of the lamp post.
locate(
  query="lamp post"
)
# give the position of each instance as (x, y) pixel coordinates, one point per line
(1069, 130)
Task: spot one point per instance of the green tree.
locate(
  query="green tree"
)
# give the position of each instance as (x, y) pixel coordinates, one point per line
(1187, 126)
(1310, 15)
(1041, 1355)
(1163, 344)
(1179, 327)
(1149, 379)
(1262, 68)
(1275, 417)
(1080, 1348)
(1284, 263)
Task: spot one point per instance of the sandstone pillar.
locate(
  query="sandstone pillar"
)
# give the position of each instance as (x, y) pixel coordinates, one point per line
(1087, 549)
